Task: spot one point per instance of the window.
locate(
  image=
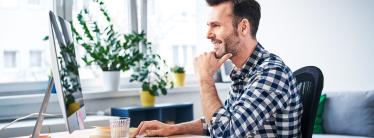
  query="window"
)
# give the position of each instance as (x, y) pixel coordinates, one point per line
(10, 59)
(173, 29)
(182, 54)
(22, 30)
(35, 58)
(24, 25)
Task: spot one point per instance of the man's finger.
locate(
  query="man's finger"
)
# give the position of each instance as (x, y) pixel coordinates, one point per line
(154, 132)
(138, 129)
(146, 125)
(224, 58)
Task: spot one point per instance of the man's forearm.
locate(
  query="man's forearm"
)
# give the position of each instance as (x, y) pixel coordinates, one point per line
(192, 127)
(209, 98)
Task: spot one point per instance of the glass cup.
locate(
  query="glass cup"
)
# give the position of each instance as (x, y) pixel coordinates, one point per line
(120, 128)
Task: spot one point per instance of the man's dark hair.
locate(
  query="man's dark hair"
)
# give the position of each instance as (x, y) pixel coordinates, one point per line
(243, 9)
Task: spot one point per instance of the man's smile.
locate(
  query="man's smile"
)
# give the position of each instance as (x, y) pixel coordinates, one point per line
(217, 44)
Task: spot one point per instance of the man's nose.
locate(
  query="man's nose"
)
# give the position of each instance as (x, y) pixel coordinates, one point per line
(210, 35)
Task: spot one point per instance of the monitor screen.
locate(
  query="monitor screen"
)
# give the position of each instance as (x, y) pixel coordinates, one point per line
(65, 73)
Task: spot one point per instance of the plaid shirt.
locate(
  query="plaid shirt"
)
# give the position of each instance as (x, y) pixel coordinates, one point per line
(263, 102)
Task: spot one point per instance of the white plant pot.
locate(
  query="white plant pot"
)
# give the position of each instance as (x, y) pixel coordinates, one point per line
(111, 80)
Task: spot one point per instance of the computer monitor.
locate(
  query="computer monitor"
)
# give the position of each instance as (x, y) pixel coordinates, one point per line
(65, 73)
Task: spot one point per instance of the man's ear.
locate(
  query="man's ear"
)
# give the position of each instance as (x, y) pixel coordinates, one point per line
(244, 27)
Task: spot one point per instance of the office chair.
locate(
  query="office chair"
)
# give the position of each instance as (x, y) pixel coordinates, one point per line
(310, 84)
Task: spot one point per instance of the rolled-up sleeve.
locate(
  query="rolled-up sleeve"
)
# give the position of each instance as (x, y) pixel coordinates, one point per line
(267, 93)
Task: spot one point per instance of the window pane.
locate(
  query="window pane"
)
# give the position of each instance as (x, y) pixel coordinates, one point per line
(10, 59)
(172, 29)
(23, 25)
(35, 58)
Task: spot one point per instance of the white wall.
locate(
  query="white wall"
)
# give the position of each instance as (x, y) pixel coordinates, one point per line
(335, 35)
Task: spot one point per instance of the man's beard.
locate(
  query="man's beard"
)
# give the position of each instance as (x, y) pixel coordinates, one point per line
(231, 44)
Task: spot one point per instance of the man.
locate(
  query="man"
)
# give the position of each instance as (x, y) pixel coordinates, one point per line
(263, 101)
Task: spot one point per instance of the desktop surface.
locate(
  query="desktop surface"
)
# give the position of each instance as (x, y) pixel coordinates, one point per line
(92, 133)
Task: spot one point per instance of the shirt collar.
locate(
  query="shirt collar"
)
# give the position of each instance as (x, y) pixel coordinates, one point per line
(250, 65)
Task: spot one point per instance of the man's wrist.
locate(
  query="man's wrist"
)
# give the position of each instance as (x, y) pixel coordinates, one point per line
(206, 81)
(175, 129)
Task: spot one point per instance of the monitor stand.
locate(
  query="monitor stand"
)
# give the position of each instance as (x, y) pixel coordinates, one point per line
(43, 108)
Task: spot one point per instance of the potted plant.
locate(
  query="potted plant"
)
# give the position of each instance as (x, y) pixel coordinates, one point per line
(153, 75)
(110, 50)
(179, 75)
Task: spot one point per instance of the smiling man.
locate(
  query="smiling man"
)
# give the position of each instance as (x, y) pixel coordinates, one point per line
(263, 100)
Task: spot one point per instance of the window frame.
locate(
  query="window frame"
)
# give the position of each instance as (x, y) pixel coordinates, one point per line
(63, 8)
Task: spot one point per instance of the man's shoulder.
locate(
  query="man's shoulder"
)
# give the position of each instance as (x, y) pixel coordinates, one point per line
(270, 62)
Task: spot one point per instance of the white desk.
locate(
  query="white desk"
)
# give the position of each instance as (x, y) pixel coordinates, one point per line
(50, 125)
(91, 133)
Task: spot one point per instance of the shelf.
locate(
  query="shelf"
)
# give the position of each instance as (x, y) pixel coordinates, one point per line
(167, 113)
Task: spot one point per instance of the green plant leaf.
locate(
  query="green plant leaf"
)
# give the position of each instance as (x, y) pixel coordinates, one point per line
(178, 69)
(164, 91)
(145, 86)
(46, 38)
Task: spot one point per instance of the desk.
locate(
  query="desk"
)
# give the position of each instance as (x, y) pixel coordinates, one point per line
(88, 133)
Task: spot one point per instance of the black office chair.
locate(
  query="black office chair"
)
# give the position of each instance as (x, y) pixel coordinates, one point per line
(310, 84)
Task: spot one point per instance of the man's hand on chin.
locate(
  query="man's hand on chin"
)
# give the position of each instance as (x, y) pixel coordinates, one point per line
(207, 64)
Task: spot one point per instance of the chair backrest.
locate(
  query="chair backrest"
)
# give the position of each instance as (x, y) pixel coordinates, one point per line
(310, 84)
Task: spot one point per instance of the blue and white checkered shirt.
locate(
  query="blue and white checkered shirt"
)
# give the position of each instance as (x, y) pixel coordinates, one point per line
(263, 102)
